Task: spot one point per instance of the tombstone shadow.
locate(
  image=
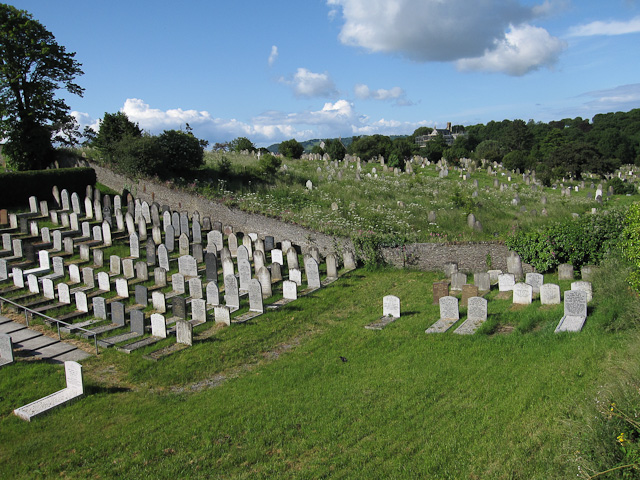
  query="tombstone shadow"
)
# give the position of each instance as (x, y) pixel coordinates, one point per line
(95, 389)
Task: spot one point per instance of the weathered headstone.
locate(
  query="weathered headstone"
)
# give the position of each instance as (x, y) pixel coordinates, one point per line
(506, 281)
(549, 294)
(565, 271)
(522, 293)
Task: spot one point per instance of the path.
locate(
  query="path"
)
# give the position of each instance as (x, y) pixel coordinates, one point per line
(28, 342)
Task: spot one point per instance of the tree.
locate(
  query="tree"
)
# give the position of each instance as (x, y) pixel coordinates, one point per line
(370, 146)
(241, 143)
(291, 148)
(181, 151)
(269, 164)
(114, 128)
(335, 149)
(32, 68)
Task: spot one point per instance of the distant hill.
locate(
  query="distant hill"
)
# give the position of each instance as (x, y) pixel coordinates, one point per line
(309, 144)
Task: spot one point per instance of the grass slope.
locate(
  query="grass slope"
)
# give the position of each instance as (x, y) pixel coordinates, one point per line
(273, 397)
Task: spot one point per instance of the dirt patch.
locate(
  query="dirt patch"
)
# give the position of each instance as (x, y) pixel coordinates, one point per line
(503, 330)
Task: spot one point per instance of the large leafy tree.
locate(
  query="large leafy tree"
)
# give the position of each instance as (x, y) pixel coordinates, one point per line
(32, 68)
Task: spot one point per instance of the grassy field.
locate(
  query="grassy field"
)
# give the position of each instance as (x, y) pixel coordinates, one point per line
(396, 205)
(273, 398)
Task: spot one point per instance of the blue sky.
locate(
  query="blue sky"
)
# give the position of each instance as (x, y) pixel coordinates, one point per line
(275, 70)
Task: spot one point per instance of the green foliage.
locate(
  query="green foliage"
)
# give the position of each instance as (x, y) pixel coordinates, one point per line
(223, 165)
(335, 149)
(114, 128)
(368, 246)
(586, 240)
(17, 187)
(620, 187)
(434, 149)
(269, 164)
(631, 243)
(291, 148)
(516, 159)
(181, 151)
(33, 67)
(490, 150)
(371, 146)
(240, 144)
(138, 156)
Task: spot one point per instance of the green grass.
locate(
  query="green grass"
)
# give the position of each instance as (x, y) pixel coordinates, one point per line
(392, 204)
(512, 401)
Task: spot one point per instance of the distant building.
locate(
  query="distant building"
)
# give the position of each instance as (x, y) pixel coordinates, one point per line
(447, 134)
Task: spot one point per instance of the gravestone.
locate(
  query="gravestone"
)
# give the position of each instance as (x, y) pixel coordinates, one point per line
(48, 289)
(169, 238)
(160, 277)
(276, 272)
(565, 271)
(158, 300)
(312, 271)
(514, 265)
(349, 260)
(127, 268)
(179, 307)
(231, 296)
(449, 308)
(549, 294)
(74, 273)
(232, 242)
(450, 268)
(276, 256)
(458, 279)
(244, 273)
(332, 266)
(295, 275)
(188, 266)
(198, 310)
(158, 325)
(476, 316)
(104, 284)
(137, 321)
(183, 245)
(64, 295)
(114, 265)
(122, 287)
(141, 295)
(258, 260)
(506, 281)
(585, 286)
(211, 267)
(163, 257)
(195, 287)
(88, 277)
(391, 306)
(177, 283)
(150, 250)
(228, 267)
(483, 281)
(522, 293)
(468, 291)
(535, 280)
(264, 277)
(99, 308)
(222, 314)
(575, 311)
(255, 296)
(117, 313)
(289, 290)
(197, 252)
(440, 289)
(213, 294)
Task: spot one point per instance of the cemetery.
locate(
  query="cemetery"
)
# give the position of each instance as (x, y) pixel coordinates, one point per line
(183, 302)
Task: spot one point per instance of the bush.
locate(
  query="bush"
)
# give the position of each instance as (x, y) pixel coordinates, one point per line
(269, 164)
(291, 148)
(180, 151)
(620, 187)
(138, 156)
(583, 241)
(17, 187)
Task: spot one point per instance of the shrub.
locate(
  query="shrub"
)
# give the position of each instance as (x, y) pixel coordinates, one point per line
(269, 164)
(291, 148)
(17, 187)
(583, 241)
(181, 151)
(620, 187)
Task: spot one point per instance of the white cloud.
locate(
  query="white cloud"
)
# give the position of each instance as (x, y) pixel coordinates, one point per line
(306, 83)
(524, 48)
(620, 98)
(428, 30)
(454, 30)
(364, 92)
(333, 119)
(273, 56)
(85, 120)
(606, 28)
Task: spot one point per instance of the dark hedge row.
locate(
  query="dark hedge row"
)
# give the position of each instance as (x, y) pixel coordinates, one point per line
(17, 187)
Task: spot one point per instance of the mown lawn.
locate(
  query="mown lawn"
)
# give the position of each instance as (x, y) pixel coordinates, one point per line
(274, 398)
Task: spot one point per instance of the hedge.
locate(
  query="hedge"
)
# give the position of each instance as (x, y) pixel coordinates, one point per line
(17, 187)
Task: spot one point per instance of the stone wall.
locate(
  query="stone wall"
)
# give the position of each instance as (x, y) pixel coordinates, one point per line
(471, 257)
(241, 221)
